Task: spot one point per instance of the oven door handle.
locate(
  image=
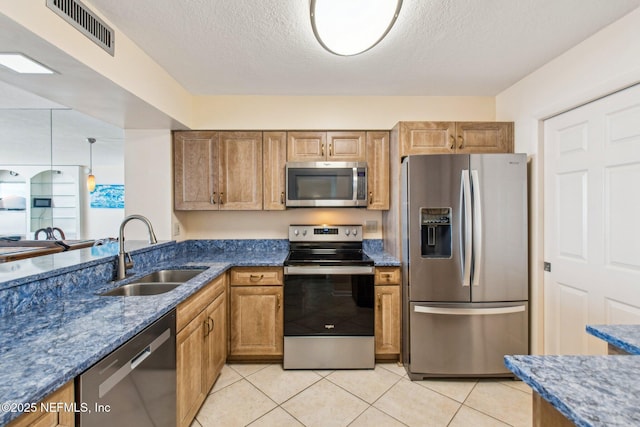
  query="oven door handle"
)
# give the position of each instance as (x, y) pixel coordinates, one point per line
(308, 270)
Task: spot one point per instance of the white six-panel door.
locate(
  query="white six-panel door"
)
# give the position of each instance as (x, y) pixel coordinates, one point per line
(592, 221)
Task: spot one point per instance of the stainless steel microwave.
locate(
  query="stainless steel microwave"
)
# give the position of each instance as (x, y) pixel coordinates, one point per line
(326, 184)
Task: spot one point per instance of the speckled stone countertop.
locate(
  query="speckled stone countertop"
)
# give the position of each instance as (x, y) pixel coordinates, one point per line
(625, 337)
(588, 390)
(47, 345)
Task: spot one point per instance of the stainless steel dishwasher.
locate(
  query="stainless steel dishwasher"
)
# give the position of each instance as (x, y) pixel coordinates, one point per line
(136, 384)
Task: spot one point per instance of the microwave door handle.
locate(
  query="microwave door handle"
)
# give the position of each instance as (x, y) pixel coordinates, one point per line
(355, 184)
(477, 228)
(465, 221)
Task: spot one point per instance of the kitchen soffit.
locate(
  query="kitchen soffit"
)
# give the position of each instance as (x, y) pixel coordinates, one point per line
(437, 47)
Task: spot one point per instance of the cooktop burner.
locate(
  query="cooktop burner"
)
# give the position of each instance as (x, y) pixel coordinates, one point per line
(336, 258)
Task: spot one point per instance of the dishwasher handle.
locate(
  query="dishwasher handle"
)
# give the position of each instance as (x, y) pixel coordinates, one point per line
(132, 364)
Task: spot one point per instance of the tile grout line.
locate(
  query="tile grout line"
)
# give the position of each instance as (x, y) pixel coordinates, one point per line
(480, 411)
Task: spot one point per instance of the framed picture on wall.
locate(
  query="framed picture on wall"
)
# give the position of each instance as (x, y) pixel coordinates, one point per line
(108, 196)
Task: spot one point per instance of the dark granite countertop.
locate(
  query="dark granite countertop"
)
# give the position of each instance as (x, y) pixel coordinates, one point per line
(625, 337)
(588, 390)
(45, 346)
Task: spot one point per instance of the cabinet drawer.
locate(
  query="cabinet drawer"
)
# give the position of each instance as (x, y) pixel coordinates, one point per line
(197, 302)
(387, 276)
(256, 276)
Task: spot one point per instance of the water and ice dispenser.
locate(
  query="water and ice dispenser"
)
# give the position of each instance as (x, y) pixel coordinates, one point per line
(435, 227)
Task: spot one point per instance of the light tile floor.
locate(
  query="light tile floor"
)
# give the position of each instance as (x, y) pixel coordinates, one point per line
(266, 395)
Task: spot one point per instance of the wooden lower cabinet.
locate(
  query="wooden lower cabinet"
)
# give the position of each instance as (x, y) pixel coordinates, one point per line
(51, 418)
(387, 312)
(256, 313)
(201, 347)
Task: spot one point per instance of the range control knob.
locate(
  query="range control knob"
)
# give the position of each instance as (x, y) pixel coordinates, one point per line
(355, 231)
(304, 232)
(296, 232)
(347, 232)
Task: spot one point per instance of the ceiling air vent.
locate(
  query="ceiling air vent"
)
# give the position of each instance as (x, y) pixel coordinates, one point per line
(78, 15)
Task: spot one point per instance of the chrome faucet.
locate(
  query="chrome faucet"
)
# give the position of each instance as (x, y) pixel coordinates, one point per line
(123, 264)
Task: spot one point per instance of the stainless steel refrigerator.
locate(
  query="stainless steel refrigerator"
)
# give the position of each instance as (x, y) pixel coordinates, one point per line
(465, 263)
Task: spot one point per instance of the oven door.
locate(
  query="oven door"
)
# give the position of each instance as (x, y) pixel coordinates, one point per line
(329, 301)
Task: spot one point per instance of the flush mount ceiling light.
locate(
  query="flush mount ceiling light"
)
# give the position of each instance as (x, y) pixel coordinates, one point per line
(23, 64)
(350, 27)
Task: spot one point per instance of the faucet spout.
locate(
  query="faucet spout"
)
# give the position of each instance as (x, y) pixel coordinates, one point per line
(123, 264)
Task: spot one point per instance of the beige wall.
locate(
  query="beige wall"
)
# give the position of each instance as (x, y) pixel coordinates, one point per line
(602, 64)
(334, 112)
(148, 182)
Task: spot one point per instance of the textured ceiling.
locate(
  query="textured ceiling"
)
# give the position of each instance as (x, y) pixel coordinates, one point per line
(437, 47)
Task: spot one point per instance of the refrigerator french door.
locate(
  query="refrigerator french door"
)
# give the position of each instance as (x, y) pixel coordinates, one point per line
(465, 278)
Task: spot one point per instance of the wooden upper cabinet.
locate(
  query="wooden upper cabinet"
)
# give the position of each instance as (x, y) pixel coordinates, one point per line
(217, 170)
(484, 137)
(455, 137)
(274, 159)
(195, 170)
(306, 146)
(427, 138)
(339, 146)
(378, 170)
(240, 173)
(348, 146)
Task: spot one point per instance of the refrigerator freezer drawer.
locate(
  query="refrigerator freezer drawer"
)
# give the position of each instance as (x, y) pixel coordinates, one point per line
(465, 339)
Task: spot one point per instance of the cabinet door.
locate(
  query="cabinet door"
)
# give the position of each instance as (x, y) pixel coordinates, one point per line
(427, 138)
(195, 159)
(240, 174)
(274, 158)
(346, 146)
(41, 418)
(387, 320)
(216, 339)
(378, 170)
(190, 365)
(484, 137)
(256, 321)
(306, 146)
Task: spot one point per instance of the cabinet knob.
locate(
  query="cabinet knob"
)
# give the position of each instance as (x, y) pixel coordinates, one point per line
(461, 141)
(370, 197)
(221, 199)
(282, 198)
(212, 200)
(255, 277)
(330, 149)
(380, 301)
(453, 142)
(278, 301)
(322, 150)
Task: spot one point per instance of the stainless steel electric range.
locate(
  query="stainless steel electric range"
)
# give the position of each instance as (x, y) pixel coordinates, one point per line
(328, 299)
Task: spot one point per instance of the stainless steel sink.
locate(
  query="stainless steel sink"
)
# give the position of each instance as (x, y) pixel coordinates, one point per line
(140, 289)
(170, 276)
(155, 283)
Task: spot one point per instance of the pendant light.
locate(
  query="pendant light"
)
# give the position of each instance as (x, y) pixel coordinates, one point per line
(91, 179)
(350, 27)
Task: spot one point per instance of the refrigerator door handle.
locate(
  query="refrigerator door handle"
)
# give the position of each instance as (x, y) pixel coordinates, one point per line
(469, 311)
(465, 221)
(477, 228)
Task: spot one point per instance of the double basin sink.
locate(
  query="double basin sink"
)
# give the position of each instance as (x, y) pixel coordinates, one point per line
(155, 283)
